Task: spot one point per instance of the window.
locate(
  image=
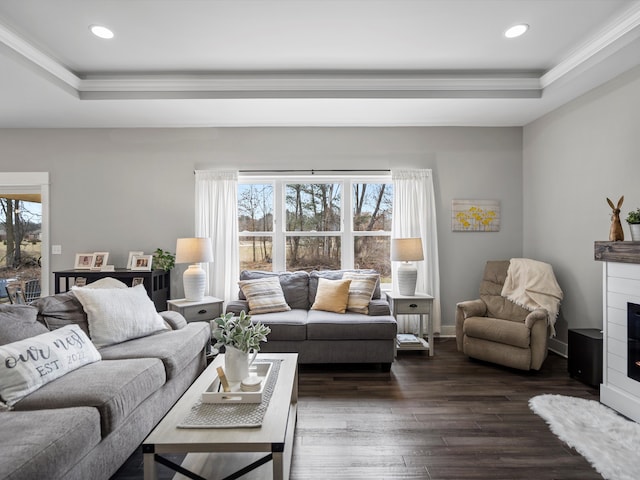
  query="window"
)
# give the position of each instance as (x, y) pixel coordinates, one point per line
(308, 223)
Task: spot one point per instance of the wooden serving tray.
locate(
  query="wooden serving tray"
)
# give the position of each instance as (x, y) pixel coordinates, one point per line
(216, 394)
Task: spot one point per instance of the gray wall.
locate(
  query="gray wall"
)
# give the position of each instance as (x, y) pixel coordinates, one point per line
(574, 158)
(133, 189)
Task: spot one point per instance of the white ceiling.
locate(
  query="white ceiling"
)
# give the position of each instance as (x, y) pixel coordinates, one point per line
(176, 63)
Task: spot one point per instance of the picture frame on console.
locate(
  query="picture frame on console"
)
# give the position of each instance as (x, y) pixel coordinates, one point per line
(84, 261)
(137, 281)
(141, 263)
(99, 260)
(130, 259)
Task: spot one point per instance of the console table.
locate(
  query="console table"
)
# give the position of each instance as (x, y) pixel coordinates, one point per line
(156, 282)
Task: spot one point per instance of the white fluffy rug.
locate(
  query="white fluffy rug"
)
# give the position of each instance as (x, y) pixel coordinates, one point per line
(610, 442)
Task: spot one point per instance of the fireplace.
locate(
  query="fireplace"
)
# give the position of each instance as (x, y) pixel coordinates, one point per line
(633, 341)
(620, 388)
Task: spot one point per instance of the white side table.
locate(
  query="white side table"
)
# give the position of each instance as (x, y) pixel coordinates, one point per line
(418, 304)
(197, 311)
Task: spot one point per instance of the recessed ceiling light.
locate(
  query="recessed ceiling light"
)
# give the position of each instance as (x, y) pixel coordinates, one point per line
(516, 30)
(100, 31)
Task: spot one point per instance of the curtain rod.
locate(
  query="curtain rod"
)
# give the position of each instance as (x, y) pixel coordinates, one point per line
(314, 171)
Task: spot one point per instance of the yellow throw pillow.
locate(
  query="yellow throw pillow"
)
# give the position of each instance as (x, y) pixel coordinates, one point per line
(360, 291)
(264, 295)
(332, 295)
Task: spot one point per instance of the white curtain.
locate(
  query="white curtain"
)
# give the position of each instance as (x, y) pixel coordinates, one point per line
(414, 215)
(217, 218)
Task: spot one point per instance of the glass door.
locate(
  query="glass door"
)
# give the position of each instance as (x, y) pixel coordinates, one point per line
(23, 238)
(20, 247)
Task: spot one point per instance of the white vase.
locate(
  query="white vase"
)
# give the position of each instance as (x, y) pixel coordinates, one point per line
(237, 363)
(635, 232)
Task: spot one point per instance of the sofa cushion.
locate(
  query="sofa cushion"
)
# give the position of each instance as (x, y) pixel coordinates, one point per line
(46, 443)
(264, 295)
(295, 286)
(332, 295)
(175, 320)
(335, 275)
(176, 348)
(498, 330)
(361, 290)
(62, 309)
(349, 326)
(18, 322)
(291, 325)
(27, 365)
(119, 314)
(115, 387)
(379, 307)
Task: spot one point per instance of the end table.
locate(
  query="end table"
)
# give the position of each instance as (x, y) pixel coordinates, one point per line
(197, 311)
(417, 304)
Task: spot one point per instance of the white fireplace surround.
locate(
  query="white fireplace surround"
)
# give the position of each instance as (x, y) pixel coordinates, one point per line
(621, 284)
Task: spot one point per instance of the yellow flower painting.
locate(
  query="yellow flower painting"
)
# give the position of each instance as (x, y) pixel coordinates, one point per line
(475, 215)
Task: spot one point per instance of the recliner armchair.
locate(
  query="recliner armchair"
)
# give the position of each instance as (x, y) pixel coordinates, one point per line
(494, 329)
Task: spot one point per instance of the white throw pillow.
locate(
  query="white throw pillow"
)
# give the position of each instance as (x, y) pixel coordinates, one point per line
(28, 364)
(106, 282)
(118, 314)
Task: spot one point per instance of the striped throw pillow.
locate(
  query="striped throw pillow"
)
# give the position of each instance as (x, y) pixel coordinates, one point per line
(264, 295)
(360, 291)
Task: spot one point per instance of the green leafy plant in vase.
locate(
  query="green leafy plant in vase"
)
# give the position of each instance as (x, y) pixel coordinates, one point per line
(163, 260)
(239, 332)
(633, 219)
(239, 336)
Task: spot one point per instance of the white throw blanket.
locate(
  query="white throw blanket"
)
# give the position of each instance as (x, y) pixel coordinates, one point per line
(532, 284)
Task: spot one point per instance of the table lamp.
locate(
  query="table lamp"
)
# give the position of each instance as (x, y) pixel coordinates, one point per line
(406, 250)
(194, 251)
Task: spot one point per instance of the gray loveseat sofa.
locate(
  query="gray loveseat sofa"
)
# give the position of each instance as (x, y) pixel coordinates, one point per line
(85, 424)
(320, 336)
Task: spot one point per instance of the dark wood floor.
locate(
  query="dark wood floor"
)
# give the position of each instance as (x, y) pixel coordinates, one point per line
(441, 417)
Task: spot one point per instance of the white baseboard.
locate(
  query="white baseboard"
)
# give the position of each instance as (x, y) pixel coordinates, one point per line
(447, 331)
(556, 346)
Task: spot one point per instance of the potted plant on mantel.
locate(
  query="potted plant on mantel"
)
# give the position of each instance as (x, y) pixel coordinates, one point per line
(239, 336)
(633, 219)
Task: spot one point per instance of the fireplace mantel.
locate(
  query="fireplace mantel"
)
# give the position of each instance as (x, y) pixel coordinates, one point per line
(622, 252)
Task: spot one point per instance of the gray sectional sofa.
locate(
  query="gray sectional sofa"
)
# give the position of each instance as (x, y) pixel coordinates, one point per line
(85, 424)
(320, 336)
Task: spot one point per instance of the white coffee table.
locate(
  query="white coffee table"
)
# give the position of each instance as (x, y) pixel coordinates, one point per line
(213, 451)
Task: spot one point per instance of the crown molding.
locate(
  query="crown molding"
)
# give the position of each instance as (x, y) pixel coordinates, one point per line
(625, 28)
(37, 57)
(316, 84)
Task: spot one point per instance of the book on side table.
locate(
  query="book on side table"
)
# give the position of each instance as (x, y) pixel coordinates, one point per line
(409, 341)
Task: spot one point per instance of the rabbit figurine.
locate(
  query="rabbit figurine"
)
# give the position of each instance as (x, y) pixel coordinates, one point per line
(616, 234)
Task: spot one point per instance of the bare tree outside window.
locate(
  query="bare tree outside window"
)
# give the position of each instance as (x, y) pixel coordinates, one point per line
(255, 215)
(312, 228)
(20, 242)
(313, 207)
(372, 210)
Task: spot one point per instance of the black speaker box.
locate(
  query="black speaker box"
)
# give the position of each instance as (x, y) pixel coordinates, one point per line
(585, 355)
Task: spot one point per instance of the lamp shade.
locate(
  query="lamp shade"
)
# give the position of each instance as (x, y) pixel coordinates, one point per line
(194, 250)
(406, 249)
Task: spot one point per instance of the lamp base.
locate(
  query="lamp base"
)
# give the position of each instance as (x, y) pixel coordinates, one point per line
(407, 278)
(194, 281)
